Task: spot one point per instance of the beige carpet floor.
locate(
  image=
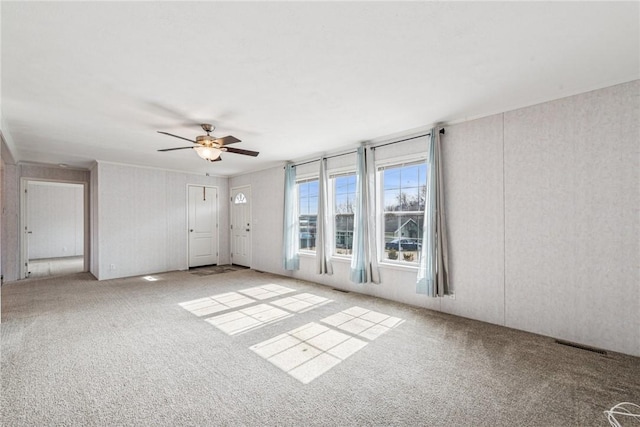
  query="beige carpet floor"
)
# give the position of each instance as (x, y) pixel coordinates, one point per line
(252, 349)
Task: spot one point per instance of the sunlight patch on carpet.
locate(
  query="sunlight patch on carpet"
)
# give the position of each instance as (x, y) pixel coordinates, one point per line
(301, 303)
(216, 303)
(362, 322)
(248, 319)
(309, 351)
(266, 291)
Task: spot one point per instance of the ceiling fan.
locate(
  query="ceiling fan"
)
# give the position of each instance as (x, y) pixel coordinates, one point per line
(210, 148)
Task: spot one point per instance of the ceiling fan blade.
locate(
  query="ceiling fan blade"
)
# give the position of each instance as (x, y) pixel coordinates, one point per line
(171, 149)
(226, 140)
(176, 136)
(241, 151)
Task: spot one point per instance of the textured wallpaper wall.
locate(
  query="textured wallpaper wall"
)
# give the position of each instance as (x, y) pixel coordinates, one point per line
(142, 219)
(572, 223)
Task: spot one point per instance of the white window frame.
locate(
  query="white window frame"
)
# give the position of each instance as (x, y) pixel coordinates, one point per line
(332, 175)
(381, 165)
(299, 180)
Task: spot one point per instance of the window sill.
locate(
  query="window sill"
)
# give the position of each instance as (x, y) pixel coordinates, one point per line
(307, 254)
(398, 266)
(344, 259)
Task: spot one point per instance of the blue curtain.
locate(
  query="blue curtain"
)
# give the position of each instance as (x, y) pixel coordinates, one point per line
(372, 205)
(291, 261)
(364, 259)
(433, 270)
(323, 238)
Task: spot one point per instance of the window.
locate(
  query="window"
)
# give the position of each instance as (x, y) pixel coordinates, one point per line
(344, 191)
(404, 193)
(240, 199)
(308, 213)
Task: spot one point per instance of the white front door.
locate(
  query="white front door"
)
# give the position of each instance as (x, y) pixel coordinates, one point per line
(203, 225)
(241, 226)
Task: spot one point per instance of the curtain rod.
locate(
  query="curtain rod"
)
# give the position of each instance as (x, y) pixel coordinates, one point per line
(406, 139)
(325, 157)
(373, 148)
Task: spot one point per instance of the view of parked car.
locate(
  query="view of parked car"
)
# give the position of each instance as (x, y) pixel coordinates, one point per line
(403, 245)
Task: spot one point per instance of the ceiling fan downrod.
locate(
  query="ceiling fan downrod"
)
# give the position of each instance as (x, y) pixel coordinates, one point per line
(208, 128)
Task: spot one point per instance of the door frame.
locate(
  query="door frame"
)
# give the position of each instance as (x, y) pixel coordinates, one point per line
(231, 204)
(186, 230)
(23, 256)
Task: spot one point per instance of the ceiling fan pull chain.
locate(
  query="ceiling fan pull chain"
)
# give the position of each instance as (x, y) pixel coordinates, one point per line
(204, 194)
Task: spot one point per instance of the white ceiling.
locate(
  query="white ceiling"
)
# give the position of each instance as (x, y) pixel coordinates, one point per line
(84, 81)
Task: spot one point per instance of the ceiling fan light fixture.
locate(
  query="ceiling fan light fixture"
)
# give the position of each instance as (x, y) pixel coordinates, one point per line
(206, 140)
(208, 153)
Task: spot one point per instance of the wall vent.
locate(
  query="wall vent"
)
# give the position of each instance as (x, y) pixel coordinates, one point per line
(581, 347)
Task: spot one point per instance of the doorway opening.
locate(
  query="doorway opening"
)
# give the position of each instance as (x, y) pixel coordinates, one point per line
(53, 228)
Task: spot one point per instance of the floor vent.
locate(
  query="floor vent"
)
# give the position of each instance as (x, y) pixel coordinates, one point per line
(340, 290)
(581, 347)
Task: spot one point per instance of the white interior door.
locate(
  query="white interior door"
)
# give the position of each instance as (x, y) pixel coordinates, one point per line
(241, 226)
(24, 228)
(203, 225)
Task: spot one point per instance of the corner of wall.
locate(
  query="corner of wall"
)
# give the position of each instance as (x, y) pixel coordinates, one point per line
(94, 264)
(10, 224)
